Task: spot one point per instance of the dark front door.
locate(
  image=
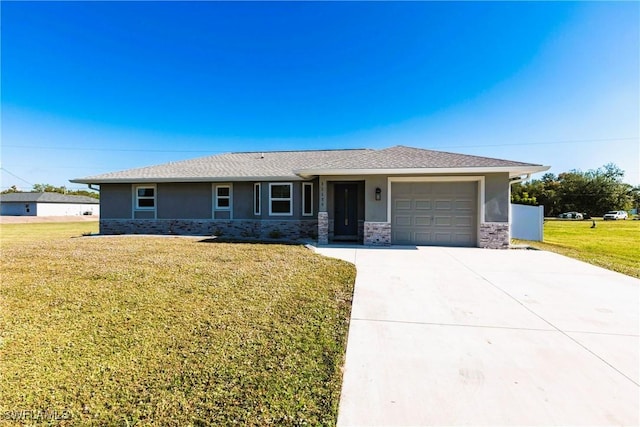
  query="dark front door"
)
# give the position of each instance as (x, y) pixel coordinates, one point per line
(346, 210)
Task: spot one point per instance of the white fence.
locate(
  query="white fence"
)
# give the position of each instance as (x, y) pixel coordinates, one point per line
(527, 222)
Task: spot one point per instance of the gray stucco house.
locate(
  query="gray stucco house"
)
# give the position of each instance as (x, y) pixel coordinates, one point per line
(398, 195)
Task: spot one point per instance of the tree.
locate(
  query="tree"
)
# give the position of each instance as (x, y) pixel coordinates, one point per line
(12, 189)
(594, 192)
(48, 188)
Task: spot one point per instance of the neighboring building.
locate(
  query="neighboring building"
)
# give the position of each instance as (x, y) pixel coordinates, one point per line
(399, 195)
(47, 204)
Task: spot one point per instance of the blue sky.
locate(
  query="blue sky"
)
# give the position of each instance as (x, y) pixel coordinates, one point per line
(93, 87)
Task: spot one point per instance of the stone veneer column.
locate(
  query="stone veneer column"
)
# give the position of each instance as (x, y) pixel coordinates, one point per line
(494, 235)
(377, 233)
(323, 228)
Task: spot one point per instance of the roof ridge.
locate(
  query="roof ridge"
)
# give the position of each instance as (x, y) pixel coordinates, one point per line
(297, 151)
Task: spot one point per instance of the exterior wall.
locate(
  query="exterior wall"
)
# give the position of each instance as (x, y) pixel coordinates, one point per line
(66, 209)
(18, 209)
(377, 233)
(243, 200)
(494, 235)
(116, 201)
(496, 197)
(48, 209)
(375, 210)
(496, 205)
(323, 228)
(287, 230)
(184, 200)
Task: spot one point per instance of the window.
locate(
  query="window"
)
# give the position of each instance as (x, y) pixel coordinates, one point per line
(223, 197)
(307, 199)
(145, 197)
(280, 199)
(256, 198)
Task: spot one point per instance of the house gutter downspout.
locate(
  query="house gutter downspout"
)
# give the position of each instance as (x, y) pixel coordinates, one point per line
(92, 188)
(519, 179)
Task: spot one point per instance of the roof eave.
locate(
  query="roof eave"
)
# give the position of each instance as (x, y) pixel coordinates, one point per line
(184, 179)
(513, 171)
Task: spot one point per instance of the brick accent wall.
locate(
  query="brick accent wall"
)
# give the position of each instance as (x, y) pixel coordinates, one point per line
(494, 235)
(323, 228)
(237, 228)
(377, 233)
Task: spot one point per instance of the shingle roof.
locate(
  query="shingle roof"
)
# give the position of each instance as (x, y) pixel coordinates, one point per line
(232, 166)
(46, 198)
(401, 157)
(293, 165)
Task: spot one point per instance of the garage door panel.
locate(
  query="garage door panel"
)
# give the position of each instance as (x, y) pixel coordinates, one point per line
(422, 220)
(422, 236)
(402, 204)
(443, 221)
(424, 205)
(462, 237)
(402, 237)
(434, 213)
(442, 237)
(442, 188)
(467, 205)
(403, 220)
(443, 205)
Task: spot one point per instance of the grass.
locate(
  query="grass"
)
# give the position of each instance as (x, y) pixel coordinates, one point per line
(169, 331)
(614, 245)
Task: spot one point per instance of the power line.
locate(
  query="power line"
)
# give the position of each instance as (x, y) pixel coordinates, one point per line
(16, 176)
(146, 150)
(571, 141)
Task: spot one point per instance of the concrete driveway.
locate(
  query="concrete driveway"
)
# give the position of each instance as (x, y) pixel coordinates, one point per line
(453, 336)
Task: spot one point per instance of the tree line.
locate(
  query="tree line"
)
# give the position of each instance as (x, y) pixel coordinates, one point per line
(593, 192)
(48, 188)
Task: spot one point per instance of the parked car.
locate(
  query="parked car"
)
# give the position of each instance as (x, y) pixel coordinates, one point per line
(573, 215)
(613, 215)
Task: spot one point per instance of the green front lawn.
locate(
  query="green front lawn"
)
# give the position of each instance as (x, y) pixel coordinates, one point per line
(169, 331)
(614, 245)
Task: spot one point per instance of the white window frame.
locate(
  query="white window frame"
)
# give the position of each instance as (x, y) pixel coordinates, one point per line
(281, 199)
(304, 198)
(257, 198)
(137, 198)
(217, 198)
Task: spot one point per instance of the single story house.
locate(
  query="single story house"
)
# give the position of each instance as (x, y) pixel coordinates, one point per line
(399, 195)
(47, 204)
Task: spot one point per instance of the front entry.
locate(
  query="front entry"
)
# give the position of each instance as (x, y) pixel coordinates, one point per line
(345, 224)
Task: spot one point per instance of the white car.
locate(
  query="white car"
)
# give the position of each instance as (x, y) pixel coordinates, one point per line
(613, 215)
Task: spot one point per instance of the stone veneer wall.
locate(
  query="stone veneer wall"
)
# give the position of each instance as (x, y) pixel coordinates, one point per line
(237, 228)
(323, 228)
(377, 233)
(494, 235)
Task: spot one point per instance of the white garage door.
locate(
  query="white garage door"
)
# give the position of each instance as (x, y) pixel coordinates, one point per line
(434, 213)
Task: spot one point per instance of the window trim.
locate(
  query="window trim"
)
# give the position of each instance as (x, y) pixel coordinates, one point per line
(137, 198)
(304, 198)
(257, 199)
(217, 198)
(281, 199)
